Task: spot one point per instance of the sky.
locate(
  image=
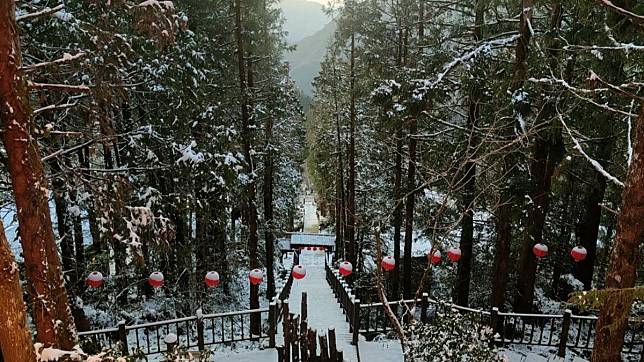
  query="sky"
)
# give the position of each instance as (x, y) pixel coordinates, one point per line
(321, 1)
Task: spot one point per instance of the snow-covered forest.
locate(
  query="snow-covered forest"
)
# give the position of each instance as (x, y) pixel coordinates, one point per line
(160, 166)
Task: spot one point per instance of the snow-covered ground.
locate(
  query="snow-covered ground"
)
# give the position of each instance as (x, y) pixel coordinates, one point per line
(324, 311)
(523, 353)
(311, 218)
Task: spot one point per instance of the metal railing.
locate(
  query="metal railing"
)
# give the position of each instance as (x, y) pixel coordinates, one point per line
(562, 331)
(193, 332)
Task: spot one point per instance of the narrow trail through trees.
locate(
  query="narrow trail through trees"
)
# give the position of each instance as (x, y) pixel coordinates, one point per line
(324, 312)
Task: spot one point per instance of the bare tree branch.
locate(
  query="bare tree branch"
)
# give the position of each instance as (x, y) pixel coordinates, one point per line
(60, 87)
(45, 11)
(66, 58)
(637, 19)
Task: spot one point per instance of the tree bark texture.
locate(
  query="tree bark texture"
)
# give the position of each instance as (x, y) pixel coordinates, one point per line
(51, 312)
(15, 338)
(625, 257)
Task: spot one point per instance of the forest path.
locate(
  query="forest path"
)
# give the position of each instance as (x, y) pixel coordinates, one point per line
(324, 311)
(311, 219)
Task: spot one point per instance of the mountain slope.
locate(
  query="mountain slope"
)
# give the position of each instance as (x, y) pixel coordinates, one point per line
(305, 60)
(303, 18)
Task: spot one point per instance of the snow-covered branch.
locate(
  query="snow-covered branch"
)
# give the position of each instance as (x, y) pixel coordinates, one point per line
(60, 87)
(486, 47)
(592, 161)
(576, 92)
(66, 58)
(45, 11)
(636, 18)
(53, 107)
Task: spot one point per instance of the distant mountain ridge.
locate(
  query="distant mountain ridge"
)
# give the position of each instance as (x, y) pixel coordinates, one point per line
(305, 60)
(303, 18)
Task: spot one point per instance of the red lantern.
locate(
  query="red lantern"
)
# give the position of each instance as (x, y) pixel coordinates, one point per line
(388, 263)
(435, 257)
(346, 268)
(299, 272)
(540, 250)
(156, 280)
(578, 253)
(256, 276)
(211, 279)
(95, 279)
(454, 254)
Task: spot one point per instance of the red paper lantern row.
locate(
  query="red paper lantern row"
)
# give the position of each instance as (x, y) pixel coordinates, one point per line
(256, 276)
(211, 279)
(346, 268)
(388, 263)
(299, 272)
(435, 257)
(540, 250)
(578, 253)
(454, 254)
(95, 279)
(156, 279)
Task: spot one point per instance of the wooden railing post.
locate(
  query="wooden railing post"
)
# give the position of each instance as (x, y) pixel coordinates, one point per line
(286, 327)
(170, 341)
(123, 337)
(424, 304)
(494, 319)
(356, 321)
(280, 353)
(272, 322)
(565, 328)
(200, 337)
(303, 307)
(333, 349)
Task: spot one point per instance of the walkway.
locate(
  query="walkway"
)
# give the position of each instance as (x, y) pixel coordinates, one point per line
(311, 220)
(324, 311)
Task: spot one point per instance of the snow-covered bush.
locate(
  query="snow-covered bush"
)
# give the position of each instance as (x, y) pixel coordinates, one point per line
(450, 337)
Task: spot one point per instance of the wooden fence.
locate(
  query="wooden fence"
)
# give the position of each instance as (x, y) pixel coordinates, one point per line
(561, 331)
(301, 342)
(191, 332)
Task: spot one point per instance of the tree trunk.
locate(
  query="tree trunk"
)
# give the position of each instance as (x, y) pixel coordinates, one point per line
(268, 208)
(97, 245)
(504, 212)
(408, 292)
(15, 338)
(397, 219)
(62, 221)
(78, 227)
(340, 204)
(469, 180)
(51, 313)
(350, 234)
(247, 139)
(409, 211)
(625, 257)
(397, 191)
(588, 228)
(548, 151)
